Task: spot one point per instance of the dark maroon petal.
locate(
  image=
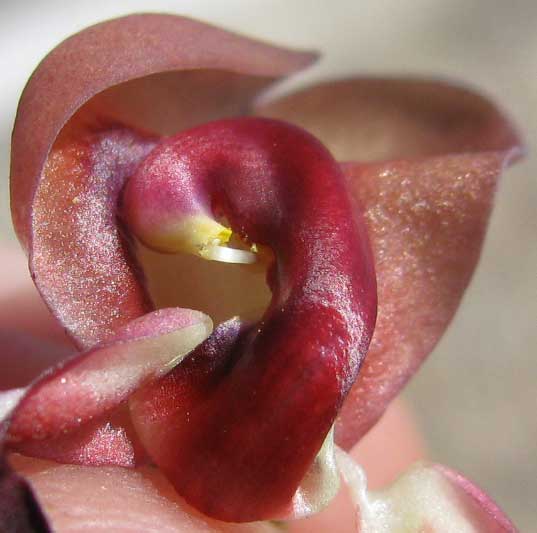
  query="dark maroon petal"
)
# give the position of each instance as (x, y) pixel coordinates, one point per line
(240, 452)
(382, 119)
(19, 509)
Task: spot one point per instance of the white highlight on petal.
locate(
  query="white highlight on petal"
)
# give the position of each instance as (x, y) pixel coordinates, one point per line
(228, 255)
(320, 484)
(9, 400)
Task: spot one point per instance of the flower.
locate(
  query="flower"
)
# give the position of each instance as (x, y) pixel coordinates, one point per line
(422, 159)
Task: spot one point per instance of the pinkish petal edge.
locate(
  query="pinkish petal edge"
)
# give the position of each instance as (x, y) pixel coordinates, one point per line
(364, 120)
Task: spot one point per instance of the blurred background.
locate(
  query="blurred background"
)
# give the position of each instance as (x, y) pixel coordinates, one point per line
(476, 397)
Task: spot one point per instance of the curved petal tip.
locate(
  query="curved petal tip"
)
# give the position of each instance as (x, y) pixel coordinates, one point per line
(426, 498)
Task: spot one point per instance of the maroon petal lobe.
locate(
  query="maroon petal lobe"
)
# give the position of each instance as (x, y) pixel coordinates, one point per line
(19, 510)
(426, 220)
(63, 209)
(382, 119)
(241, 451)
(157, 407)
(109, 440)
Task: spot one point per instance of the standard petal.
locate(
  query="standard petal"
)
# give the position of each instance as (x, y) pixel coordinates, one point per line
(427, 219)
(383, 119)
(164, 73)
(125, 49)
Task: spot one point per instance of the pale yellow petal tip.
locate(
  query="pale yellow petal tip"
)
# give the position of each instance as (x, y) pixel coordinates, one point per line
(184, 340)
